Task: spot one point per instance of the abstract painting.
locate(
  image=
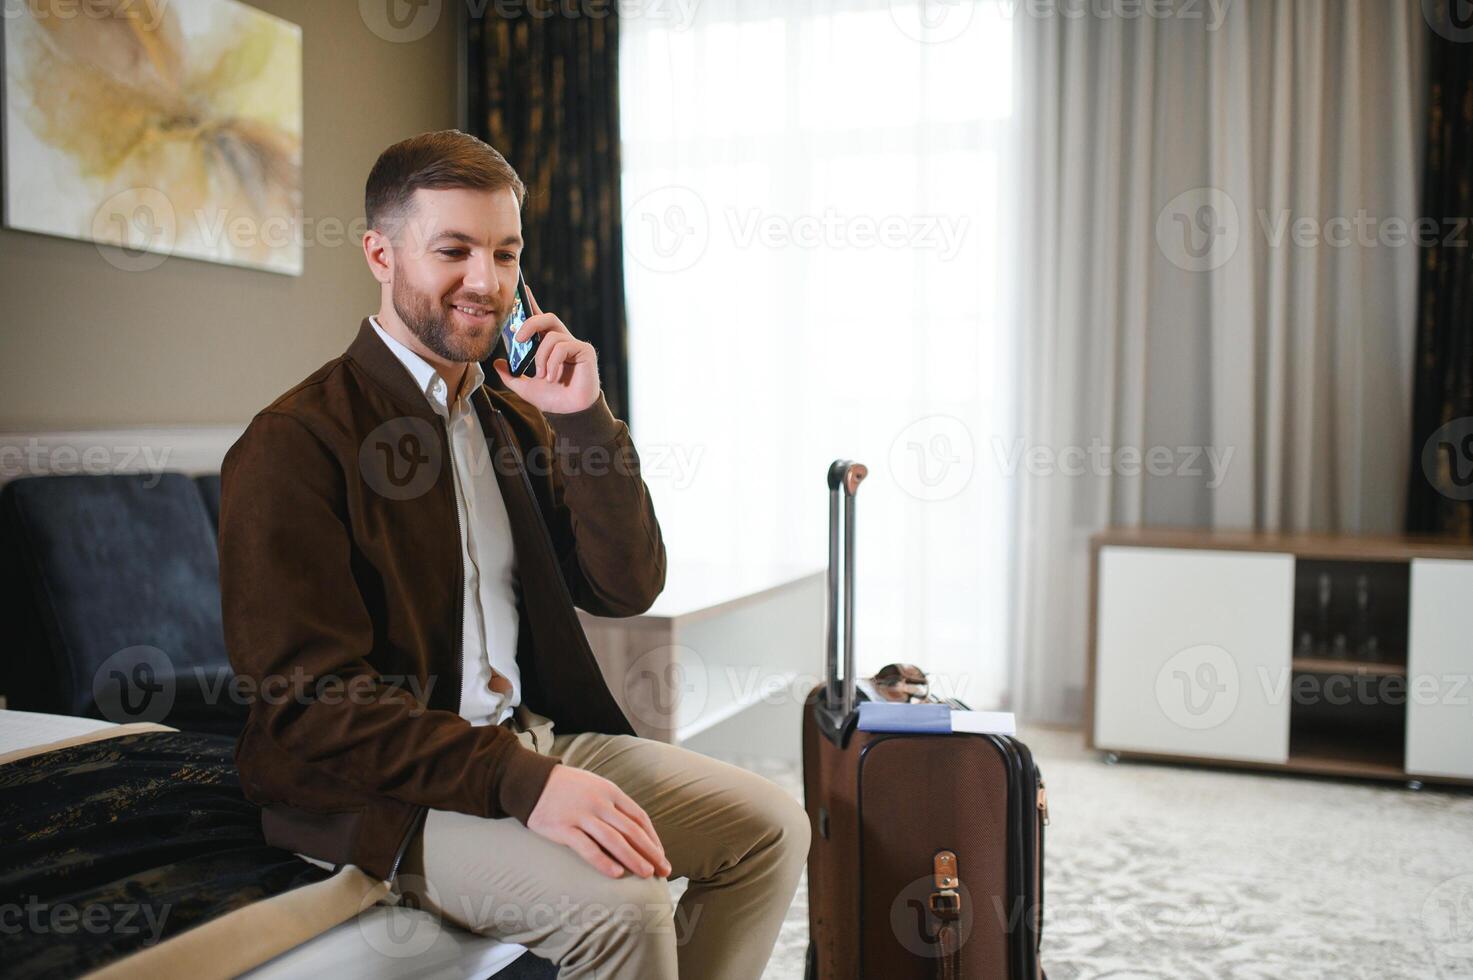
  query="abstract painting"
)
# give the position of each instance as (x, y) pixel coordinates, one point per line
(156, 128)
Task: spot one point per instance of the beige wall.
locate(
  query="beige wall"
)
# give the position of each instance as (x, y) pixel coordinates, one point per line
(85, 345)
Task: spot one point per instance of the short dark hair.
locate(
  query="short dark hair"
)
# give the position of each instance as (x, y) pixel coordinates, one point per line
(445, 159)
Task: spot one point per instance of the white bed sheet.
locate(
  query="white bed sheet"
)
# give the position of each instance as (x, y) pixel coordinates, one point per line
(384, 943)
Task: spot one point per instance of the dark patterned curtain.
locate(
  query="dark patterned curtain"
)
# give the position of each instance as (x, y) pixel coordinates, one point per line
(1440, 496)
(544, 90)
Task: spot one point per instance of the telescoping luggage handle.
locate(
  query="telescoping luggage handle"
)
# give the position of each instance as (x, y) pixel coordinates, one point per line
(844, 479)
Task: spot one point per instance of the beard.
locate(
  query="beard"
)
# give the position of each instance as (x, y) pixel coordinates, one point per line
(430, 321)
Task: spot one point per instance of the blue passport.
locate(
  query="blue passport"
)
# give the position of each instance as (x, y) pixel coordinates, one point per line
(896, 716)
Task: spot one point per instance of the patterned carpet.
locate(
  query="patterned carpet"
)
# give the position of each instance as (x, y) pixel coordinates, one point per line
(1181, 873)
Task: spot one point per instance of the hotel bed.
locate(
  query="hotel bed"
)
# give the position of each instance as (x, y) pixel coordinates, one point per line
(291, 920)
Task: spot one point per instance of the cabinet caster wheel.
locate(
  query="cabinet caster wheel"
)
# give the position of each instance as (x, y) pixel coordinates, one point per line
(1414, 784)
(1111, 758)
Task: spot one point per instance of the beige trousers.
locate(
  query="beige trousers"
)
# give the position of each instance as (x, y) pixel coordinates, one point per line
(740, 840)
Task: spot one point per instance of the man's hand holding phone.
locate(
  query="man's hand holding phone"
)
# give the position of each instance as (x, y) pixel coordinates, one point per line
(565, 378)
(599, 822)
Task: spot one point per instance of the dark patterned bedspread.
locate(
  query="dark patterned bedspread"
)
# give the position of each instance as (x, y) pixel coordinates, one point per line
(111, 846)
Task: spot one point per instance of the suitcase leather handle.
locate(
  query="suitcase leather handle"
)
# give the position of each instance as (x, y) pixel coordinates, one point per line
(946, 905)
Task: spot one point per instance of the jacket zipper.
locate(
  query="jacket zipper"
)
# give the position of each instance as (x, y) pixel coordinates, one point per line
(546, 535)
(421, 811)
(459, 563)
(419, 814)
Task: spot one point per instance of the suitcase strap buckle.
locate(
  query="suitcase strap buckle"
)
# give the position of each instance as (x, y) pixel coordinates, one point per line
(945, 903)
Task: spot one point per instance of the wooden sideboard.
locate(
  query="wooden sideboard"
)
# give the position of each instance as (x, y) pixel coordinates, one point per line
(1334, 655)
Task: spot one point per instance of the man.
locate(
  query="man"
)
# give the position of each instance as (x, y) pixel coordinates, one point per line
(402, 542)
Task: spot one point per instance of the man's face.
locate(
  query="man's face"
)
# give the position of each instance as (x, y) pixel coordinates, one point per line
(460, 249)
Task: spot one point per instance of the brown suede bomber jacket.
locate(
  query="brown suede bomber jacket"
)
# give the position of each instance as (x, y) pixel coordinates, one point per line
(342, 588)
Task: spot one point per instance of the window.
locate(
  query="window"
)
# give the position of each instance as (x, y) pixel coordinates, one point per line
(817, 267)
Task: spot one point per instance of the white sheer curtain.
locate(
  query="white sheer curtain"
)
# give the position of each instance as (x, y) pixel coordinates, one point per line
(818, 266)
(1217, 261)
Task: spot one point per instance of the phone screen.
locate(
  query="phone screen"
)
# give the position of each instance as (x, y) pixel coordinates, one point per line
(520, 354)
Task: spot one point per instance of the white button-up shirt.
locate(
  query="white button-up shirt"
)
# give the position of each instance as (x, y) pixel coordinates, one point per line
(489, 635)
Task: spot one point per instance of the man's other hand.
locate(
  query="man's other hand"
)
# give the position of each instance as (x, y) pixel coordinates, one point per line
(599, 821)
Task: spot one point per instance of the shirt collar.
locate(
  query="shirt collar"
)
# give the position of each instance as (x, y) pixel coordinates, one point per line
(426, 378)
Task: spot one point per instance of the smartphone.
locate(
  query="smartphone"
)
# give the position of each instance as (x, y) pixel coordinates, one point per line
(520, 355)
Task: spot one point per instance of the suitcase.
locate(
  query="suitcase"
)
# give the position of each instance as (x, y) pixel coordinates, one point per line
(927, 854)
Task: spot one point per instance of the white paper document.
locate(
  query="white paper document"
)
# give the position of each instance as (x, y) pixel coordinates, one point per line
(984, 722)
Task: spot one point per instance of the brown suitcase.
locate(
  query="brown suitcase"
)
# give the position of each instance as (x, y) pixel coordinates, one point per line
(927, 856)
